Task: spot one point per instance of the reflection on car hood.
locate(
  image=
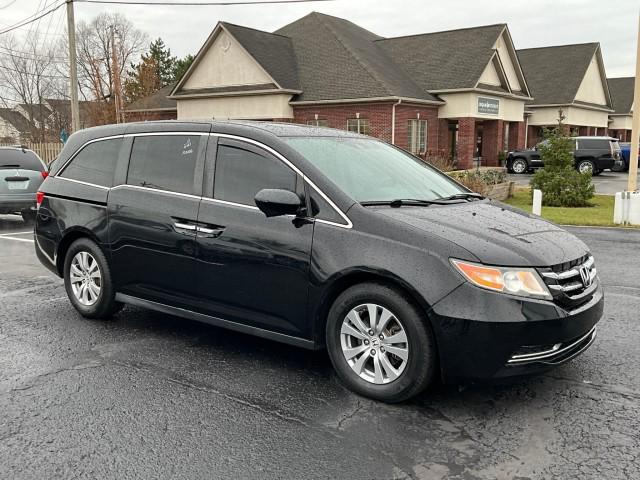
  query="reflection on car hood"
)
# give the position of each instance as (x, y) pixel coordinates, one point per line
(494, 233)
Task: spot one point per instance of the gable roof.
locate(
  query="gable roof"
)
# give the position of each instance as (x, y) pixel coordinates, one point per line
(272, 51)
(622, 94)
(351, 64)
(554, 74)
(156, 101)
(445, 60)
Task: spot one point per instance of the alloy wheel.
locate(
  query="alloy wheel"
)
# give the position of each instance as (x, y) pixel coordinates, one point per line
(374, 343)
(85, 278)
(585, 167)
(519, 166)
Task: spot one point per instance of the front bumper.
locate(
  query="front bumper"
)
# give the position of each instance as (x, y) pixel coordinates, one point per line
(483, 335)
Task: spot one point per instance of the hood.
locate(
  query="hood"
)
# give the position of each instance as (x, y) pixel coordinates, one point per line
(494, 233)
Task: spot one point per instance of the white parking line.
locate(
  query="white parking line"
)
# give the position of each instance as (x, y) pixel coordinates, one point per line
(28, 240)
(16, 233)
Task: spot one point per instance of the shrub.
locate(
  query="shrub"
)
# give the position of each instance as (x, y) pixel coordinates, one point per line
(441, 161)
(480, 181)
(561, 184)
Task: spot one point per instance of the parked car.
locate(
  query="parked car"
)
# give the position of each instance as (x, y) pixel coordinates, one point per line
(316, 238)
(592, 154)
(625, 153)
(21, 174)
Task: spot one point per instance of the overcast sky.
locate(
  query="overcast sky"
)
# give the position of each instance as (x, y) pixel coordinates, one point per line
(532, 23)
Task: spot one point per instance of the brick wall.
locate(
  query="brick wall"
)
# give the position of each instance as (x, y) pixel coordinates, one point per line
(379, 116)
(492, 141)
(466, 142)
(516, 135)
(149, 116)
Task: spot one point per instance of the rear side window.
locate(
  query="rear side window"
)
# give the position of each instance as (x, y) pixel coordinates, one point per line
(95, 163)
(14, 158)
(164, 162)
(593, 144)
(240, 174)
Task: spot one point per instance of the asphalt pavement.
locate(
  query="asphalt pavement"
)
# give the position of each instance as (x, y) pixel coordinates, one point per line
(607, 183)
(153, 396)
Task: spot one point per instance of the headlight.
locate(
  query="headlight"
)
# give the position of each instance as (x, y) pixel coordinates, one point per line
(524, 282)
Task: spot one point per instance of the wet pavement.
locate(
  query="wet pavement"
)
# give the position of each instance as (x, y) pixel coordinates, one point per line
(149, 395)
(607, 183)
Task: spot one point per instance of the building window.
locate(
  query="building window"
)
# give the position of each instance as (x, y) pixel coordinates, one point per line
(358, 125)
(318, 123)
(417, 136)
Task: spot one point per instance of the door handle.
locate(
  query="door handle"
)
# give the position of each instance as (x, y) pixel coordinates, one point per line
(184, 226)
(210, 232)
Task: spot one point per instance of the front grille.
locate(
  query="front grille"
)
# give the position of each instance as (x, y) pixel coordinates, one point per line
(571, 283)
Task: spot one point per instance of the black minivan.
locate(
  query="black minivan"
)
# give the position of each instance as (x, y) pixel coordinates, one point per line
(316, 238)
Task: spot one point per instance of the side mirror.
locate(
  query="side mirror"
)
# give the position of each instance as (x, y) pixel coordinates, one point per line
(275, 202)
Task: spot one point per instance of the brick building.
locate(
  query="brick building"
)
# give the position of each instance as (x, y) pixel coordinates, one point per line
(622, 96)
(570, 78)
(460, 93)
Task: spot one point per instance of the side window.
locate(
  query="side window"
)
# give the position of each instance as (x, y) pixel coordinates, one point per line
(164, 162)
(240, 174)
(592, 143)
(95, 163)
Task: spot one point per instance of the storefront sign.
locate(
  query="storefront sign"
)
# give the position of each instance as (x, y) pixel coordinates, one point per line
(489, 106)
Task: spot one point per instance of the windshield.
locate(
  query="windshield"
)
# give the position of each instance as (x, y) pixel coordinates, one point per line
(369, 170)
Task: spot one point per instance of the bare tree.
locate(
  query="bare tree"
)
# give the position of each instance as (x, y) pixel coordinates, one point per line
(95, 65)
(28, 75)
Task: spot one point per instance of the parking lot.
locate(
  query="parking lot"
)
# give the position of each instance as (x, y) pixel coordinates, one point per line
(153, 396)
(607, 183)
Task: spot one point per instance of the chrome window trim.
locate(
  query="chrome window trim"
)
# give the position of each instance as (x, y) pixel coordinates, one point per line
(160, 190)
(261, 145)
(348, 224)
(77, 152)
(83, 183)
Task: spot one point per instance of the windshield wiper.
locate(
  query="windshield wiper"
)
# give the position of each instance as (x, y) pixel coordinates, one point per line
(463, 196)
(399, 202)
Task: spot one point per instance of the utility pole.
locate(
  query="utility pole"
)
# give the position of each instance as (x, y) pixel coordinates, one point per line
(73, 68)
(117, 88)
(635, 125)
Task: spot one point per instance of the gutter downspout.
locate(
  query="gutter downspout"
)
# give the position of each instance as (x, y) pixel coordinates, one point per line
(393, 121)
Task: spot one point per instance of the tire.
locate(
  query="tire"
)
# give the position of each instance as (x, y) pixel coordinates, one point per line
(29, 216)
(520, 166)
(408, 376)
(585, 166)
(85, 257)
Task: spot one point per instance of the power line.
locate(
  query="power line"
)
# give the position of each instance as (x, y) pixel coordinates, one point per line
(192, 4)
(41, 75)
(31, 19)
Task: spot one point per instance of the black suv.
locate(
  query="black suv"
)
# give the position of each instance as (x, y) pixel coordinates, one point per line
(592, 154)
(316, 238)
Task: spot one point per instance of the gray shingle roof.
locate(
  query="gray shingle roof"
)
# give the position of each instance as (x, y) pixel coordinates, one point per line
(621, 93)
(17, 120)
(445, 60)
(155, 101)
(340, 60)
(554, 74)
(272, 51)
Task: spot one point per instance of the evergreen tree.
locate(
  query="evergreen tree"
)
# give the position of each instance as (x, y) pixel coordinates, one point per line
(164, 61)
(561, 184)
(180, 67)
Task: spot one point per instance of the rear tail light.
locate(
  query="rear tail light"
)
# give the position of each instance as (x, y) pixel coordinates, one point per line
(44, 174)
(39, 198)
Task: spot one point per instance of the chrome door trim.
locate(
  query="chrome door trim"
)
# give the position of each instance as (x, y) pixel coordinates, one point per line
(83, 183)
(159, 190)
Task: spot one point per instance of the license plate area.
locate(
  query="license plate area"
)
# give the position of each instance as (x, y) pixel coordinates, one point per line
(19, 185)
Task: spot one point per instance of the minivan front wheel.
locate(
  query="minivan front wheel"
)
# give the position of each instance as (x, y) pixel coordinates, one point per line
(87, 280)
(380, 343)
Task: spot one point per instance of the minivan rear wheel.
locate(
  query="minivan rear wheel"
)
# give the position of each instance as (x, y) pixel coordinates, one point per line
(519, 166)
(380, 343)
(88, 282)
